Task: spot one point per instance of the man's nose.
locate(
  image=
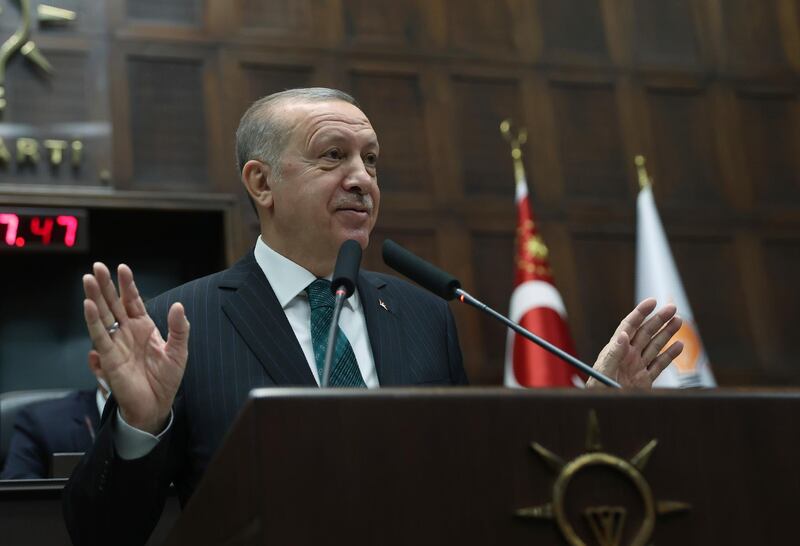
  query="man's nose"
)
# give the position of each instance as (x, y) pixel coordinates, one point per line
(359, 179)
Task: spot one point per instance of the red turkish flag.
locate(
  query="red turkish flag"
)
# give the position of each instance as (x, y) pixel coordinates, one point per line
(536, 304)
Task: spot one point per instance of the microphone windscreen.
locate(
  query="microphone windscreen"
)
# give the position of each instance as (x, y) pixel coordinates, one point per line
(346, 271)
(427, 275)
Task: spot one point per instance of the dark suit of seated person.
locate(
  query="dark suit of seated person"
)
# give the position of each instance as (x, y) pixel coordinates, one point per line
(308, 160)
(52, 426)
(65, 425)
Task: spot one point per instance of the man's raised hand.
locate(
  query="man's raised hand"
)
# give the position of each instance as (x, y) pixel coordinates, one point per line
(634, 356)
(143, 371)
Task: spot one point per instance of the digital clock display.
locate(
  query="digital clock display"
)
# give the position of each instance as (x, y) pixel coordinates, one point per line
(43, 229)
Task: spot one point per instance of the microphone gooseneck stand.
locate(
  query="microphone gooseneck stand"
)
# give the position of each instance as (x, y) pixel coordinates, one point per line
(448, 287)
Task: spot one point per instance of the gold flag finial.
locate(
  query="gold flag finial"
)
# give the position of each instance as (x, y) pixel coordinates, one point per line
(644, 179)
(516, 142)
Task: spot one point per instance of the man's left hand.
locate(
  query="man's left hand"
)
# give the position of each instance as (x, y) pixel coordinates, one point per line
(634, 357)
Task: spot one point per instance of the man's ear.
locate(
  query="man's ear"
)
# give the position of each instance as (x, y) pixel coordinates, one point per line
(258, 181)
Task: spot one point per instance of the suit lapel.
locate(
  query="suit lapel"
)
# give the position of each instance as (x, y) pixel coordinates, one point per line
(381, 313)
(252, 307)
(90, 403)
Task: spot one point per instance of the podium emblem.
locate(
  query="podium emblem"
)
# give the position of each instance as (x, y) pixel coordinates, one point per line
(606, 523)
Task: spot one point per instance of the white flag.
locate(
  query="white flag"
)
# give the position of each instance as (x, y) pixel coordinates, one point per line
(657, 276)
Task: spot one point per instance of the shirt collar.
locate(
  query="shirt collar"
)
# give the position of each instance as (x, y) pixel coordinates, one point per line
(288, 279)
(101, 402)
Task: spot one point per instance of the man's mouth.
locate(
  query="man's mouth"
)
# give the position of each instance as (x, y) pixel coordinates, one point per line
(361, 210)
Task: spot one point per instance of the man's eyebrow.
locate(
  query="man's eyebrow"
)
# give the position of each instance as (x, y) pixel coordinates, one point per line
(325, 135)
(336, 135)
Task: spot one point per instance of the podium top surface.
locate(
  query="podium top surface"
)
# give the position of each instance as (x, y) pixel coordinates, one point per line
(509, 393)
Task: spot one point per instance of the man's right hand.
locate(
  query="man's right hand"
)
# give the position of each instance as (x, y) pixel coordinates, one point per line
(143, 371)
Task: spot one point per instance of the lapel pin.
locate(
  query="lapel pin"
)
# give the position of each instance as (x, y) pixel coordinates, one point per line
(380, 301)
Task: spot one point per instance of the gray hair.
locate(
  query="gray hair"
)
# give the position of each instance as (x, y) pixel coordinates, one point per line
(262, 135)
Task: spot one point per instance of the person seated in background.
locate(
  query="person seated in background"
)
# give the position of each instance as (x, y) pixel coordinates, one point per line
(65, 425)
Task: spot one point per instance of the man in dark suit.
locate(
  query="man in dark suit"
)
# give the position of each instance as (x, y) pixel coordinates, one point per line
(65, 425)
(308, 161)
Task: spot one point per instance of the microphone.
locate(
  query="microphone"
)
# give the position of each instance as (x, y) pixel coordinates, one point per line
(448, 287)
(346, 270)
(343, 285)
(427, 275)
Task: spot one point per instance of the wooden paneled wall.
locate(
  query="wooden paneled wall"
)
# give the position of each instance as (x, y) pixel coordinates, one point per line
(707, 90)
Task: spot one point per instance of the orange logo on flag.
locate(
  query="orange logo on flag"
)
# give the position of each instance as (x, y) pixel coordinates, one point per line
(687, 360)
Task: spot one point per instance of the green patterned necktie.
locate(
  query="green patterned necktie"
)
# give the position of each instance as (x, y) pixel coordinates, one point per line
(344, 368)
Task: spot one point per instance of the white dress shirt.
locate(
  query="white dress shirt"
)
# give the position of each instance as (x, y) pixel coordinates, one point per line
(289, 281)
(100, 400)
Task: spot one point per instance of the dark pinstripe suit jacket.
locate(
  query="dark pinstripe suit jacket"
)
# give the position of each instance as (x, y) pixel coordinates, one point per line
(240, 340)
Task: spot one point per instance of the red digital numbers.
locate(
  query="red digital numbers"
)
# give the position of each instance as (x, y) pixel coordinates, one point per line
(11, 222)
(43, 229)
(71, 223)
(40, 231)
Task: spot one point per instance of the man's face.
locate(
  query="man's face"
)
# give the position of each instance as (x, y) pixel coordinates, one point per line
(327, 191)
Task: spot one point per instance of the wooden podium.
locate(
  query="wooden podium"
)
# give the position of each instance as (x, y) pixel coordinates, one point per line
(499, 466)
